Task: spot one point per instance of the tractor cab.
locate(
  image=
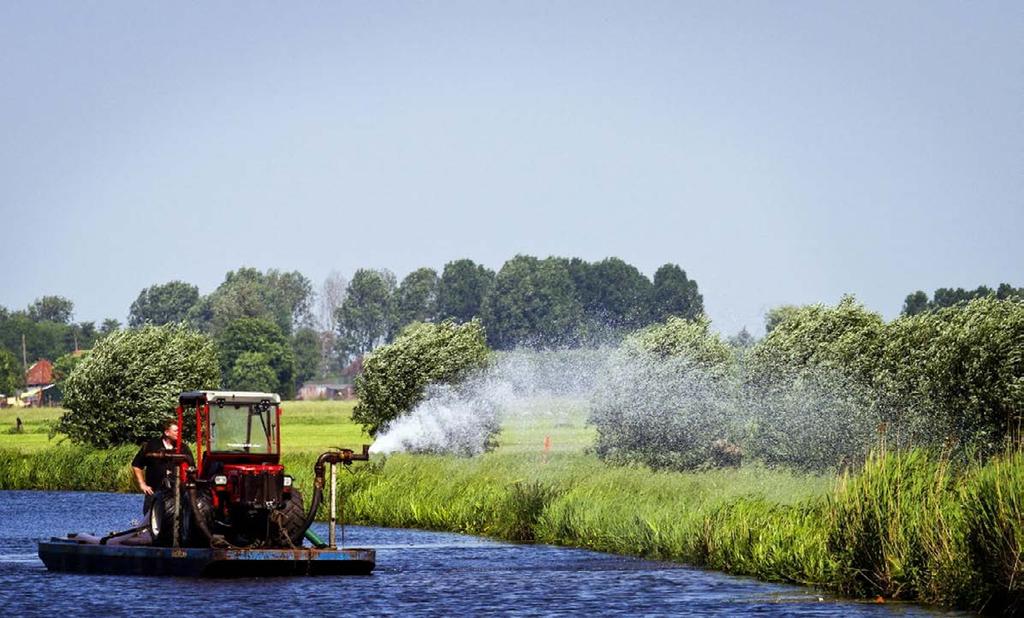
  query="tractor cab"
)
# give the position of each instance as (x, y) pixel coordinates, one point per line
(238, 447)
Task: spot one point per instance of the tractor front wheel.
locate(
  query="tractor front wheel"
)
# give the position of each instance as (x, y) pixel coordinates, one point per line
(289, 522)
(203, 512)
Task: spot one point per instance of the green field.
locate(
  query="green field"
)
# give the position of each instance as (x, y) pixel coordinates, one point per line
(35, 428)
(306, 426)
(315, 426)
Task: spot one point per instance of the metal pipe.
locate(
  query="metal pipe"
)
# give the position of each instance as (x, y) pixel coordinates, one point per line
(176, 532)
(332, 534)
(344, 456)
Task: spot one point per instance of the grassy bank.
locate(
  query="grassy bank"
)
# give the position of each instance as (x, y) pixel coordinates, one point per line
(907, 525)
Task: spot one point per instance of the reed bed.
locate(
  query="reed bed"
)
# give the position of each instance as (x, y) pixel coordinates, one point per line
(907, 525)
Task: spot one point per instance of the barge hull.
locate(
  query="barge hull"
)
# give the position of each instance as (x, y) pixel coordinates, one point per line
(68, 555)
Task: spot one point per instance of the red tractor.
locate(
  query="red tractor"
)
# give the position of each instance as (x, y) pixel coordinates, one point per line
(237, 494)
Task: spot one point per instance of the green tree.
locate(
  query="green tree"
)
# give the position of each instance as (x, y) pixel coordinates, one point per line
(11, 376)
(416, 298)
(329, 300)
(915, 303)
(778, 315)
(918, 302)
(62, 369)
(948, 297)
(131, 382)
(675, 294)
(614, 294)
(366, 316)
(51, 309)
(533, 302)
(80, 336)
(109, 326)
(44, 339)
(163, 304)
(1005, 291)
(64, 365)
(395, 376)
(263, 337)
(462, 289)
(282, 298)
(742, 341)
(252, 372)
(306, 350)
(292, 297)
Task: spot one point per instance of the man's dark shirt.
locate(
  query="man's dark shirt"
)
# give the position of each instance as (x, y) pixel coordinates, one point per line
(157, 468)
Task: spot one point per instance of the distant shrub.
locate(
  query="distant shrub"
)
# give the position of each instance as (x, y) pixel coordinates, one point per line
(252, 372)
(130, 382)
(668, 397)
(957, 374)
(952, 378)
(844, 338)
(807, 387)
(821, 389)
(396, 376)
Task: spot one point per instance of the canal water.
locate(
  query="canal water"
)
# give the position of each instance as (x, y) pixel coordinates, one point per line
(418, 573)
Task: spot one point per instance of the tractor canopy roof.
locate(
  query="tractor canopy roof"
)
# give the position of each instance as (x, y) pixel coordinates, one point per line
(191, 398)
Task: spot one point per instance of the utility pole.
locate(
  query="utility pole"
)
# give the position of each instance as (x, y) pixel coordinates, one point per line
(24, 356)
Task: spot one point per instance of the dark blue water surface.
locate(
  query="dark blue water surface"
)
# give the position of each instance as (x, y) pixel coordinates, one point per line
(418, 573)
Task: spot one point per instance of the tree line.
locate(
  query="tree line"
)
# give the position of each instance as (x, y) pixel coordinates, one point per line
(918, 302)
(273, 330)
(551, 302)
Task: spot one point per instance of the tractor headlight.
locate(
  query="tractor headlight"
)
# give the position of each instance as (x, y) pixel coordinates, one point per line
(287, 481)
(220, 479)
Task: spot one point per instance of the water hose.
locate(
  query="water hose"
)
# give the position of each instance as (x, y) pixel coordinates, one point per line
(315, 540)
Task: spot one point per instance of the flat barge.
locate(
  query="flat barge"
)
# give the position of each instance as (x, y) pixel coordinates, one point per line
(231, 512)
(85, 554)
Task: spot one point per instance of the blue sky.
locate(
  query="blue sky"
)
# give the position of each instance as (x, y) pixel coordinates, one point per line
(779, 152)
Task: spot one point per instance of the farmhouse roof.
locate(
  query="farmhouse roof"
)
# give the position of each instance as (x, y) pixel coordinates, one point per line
(40, 373)
(354, 368)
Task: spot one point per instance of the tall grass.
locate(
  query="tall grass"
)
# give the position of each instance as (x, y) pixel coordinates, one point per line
(68, 467)
(907, 525)
(994, 532)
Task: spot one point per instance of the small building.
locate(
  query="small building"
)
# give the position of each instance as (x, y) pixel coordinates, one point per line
(40, 373)
(353, 369)
(318, 391)
(38, 385)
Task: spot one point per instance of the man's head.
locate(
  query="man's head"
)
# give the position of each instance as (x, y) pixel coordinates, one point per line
(170, 427)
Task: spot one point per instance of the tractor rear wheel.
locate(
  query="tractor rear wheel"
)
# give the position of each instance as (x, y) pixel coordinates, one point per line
(289, 522)
(161, 519)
